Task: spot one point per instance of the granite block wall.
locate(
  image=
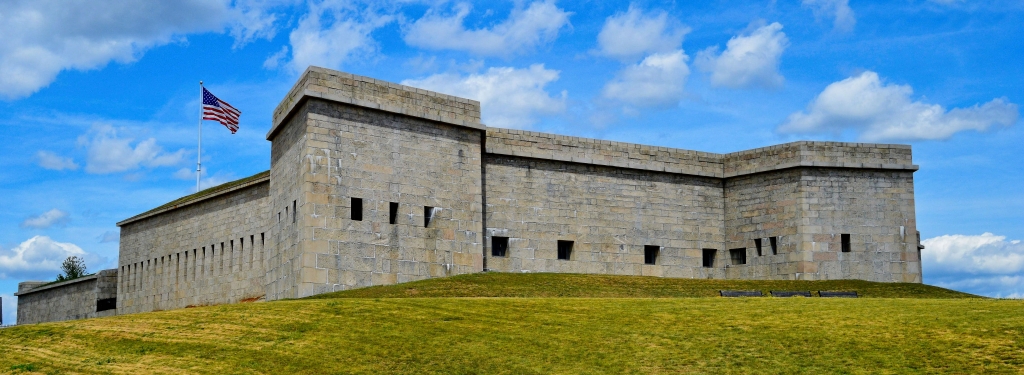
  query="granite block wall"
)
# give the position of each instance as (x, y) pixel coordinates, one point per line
(40, 302)
(758, 208)
(210, 251)
(818, 154)
(610, 213)
(875, 208)
(383, 158)
(366, 92)
(600, 152)
(285, 265)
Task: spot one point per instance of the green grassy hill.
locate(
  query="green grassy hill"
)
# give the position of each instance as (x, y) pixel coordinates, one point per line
(601, 324)
(547, 285)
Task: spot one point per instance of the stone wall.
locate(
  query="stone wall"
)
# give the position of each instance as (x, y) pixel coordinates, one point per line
(366, 92)
(381, 157)
(209, 250)
(761, 207)
(39, 302)
(818, 154)
(610, 213)
(600, 152)
(876, 208)
(286, 265)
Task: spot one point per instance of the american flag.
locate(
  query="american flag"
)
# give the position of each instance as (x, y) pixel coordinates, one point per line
(220, 111)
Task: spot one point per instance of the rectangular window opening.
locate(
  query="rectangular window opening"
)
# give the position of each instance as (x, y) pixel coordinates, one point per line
(295, 211)
(651, 254)
(709, 257)
(499, 246)
(428, 215)
(738, 256)
(357, 209)
(774, 242)
(564, 249)
(845, 238)
(757, 244)
(393, 213)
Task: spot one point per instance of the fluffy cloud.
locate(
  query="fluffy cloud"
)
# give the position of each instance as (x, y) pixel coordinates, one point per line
(748, 60)
(44, 37)
(524, 29)
(330, 34)
(252, 19)
(189, 174)
(108, 153)
(633, 34)
(110, 236)
(511, 98)
(657, 81)
(52, 161)
(880, 111)
(46, 219)
(40, 257)
(984, 264)
(838, 10)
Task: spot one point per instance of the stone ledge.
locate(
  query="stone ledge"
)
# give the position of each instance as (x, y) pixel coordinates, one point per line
(58, 285)
(546, 146)
(305, 89)
(807, 164)
(189, 200)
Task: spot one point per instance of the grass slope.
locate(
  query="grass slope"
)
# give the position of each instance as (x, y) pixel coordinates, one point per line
(538, 335)
(496, 284)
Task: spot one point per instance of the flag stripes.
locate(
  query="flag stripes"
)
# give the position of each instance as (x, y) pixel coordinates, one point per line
(220, 111)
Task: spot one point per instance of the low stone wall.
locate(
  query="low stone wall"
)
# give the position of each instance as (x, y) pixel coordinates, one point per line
(203, 251)
(85, 297)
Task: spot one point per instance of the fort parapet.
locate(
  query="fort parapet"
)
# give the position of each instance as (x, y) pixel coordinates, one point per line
(373, 183)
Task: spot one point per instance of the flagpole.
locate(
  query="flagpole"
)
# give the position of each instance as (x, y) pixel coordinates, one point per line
(199, 151)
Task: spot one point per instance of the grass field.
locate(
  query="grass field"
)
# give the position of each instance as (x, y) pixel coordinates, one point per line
(623, 331)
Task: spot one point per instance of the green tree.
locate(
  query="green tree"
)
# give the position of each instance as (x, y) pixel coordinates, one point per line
(73, 268)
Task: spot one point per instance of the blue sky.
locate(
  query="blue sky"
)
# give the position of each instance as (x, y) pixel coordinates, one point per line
(99, 99)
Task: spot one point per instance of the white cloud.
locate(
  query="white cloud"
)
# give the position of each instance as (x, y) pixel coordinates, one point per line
(40, 257)
(750, 59)
(46, 219)
(189, 174)
(110, 236)
(633, 34)
(509, 97)
(41, 38)
(108, 153)
(275, 60)
(839, 11)
(52, 161)
(880, 111)
(657, 81)
(186, 174)
(524, 29)
(330, 34)
(984, 264)
(252, 19)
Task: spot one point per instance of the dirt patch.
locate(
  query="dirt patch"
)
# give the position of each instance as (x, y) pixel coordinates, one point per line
(252, 299)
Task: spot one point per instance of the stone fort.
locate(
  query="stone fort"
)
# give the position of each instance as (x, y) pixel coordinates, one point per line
(373, 183)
